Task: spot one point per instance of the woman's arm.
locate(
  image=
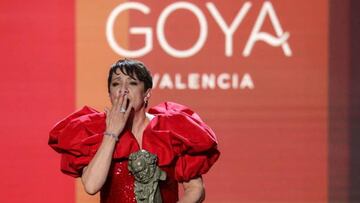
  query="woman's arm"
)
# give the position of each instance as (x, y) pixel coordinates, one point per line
(95, 174)
(194, 191)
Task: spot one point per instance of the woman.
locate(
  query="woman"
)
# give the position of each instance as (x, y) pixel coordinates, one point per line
(96, 146)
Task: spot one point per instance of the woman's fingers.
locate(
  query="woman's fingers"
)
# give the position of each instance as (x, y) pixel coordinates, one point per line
(106, 110)
(128, 110)
(117, 116)
(123, 104)
(118, 102)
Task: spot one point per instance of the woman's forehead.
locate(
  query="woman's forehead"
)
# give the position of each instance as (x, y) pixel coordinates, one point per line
(118, 74)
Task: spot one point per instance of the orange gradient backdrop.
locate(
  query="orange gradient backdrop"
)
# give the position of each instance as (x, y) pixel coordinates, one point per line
(273, 134)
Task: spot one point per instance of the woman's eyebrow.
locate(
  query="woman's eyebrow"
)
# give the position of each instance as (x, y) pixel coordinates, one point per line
(117, 78)
(130, 78)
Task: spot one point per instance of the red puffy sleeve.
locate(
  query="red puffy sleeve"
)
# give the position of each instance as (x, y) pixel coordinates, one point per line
(193, 142)
(77, 138)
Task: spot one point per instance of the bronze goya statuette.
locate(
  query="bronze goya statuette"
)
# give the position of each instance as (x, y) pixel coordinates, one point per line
(143, 165)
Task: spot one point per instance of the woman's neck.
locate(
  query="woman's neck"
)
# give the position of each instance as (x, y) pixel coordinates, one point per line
(139, 122)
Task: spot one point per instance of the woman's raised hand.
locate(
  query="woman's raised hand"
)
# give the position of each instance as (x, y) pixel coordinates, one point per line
(117, 116)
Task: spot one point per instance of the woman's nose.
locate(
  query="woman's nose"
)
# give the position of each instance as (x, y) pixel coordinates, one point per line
(124, 90)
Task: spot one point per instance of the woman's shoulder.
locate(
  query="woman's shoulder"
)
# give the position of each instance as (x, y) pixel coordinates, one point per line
(183, 125)
(77, 138)
(170, 108)
(174, 112)
(192, 141)
(85, 116)
(76, 127)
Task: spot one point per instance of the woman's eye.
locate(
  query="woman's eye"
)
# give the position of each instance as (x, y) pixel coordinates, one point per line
(115, 84)
(133, 83)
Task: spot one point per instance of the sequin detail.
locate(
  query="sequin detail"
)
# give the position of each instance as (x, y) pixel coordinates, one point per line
(119, 186)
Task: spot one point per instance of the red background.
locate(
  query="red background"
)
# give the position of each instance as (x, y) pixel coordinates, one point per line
(276, 140)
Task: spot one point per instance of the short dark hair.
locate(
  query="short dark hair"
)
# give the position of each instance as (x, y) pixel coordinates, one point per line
(131, 68)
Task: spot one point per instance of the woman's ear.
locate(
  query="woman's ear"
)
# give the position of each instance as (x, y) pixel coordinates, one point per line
(147, 94)
(147, 97)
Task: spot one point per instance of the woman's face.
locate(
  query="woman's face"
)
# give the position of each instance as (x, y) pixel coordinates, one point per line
(121, 83)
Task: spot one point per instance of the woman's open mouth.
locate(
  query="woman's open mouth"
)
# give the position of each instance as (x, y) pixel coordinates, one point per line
(127, 103)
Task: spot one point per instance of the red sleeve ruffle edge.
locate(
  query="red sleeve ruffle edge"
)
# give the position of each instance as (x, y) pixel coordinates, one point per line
(193, 142)
(77, 138)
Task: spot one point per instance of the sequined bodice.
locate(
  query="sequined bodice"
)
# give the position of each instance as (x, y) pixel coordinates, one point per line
(119, 187)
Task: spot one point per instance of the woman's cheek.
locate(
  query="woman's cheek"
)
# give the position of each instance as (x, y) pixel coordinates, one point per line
(113, 95)
(137, 104)
(112, 99)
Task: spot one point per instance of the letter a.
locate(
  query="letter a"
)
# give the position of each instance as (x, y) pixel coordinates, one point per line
(257, 35)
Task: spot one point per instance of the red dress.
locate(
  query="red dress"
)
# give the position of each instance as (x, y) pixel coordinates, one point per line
(185, 146)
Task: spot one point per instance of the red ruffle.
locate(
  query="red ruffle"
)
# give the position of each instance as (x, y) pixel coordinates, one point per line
(193, 143)
(176, 135)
